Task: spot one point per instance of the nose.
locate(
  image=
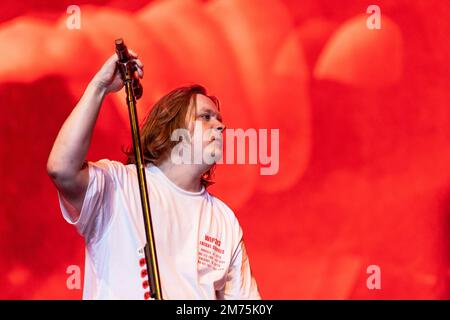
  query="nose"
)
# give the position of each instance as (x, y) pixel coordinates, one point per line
(220, 126)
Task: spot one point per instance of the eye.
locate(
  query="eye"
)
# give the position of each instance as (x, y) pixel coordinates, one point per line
(206, 116)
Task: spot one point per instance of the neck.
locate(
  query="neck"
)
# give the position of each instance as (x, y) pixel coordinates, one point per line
(185, 176)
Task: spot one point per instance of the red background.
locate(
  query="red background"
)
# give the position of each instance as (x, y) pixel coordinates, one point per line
(364, 134)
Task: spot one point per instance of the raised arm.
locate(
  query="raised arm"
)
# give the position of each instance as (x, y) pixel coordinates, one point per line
(66, 163)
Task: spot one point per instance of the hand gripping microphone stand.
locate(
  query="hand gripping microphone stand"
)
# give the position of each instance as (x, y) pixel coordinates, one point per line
(133, 88)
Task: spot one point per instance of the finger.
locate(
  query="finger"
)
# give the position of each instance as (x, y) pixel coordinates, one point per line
(112, 59)
(140, 72)
(134, 54)
(110, 63)
(139, 63)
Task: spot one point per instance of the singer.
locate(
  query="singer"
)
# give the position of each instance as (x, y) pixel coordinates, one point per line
(199, 241)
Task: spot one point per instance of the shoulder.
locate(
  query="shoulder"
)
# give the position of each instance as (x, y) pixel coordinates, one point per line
(113, 169)
(107, 164)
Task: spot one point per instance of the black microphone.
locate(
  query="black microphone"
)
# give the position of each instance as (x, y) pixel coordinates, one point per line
(122, 51)
(128, 67)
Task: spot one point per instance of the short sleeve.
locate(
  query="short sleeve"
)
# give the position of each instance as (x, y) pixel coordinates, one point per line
(96, 211)
(240, 282)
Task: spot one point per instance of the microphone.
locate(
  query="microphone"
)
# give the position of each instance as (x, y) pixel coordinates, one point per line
(128, 67)
(122, 51)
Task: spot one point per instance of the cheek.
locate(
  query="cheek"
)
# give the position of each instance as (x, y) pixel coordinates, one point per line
(198, 139)
(206, 134)
(202, 134)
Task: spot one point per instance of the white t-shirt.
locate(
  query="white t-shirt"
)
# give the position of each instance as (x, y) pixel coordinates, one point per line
(200, 249)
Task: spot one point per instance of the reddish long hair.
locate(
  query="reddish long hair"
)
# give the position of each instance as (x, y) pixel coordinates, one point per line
(166, 115)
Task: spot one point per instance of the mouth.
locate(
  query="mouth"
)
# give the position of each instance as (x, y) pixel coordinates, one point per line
(215, 141)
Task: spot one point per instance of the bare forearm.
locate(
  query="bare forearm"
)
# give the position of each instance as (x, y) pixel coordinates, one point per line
(74, 138)
(72, 143)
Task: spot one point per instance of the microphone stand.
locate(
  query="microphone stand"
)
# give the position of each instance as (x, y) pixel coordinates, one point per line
(133, 88)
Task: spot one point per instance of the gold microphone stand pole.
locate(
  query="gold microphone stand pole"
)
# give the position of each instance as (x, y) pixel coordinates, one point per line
(133, 88)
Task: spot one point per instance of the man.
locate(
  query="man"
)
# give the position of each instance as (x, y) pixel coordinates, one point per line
(199, 242)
